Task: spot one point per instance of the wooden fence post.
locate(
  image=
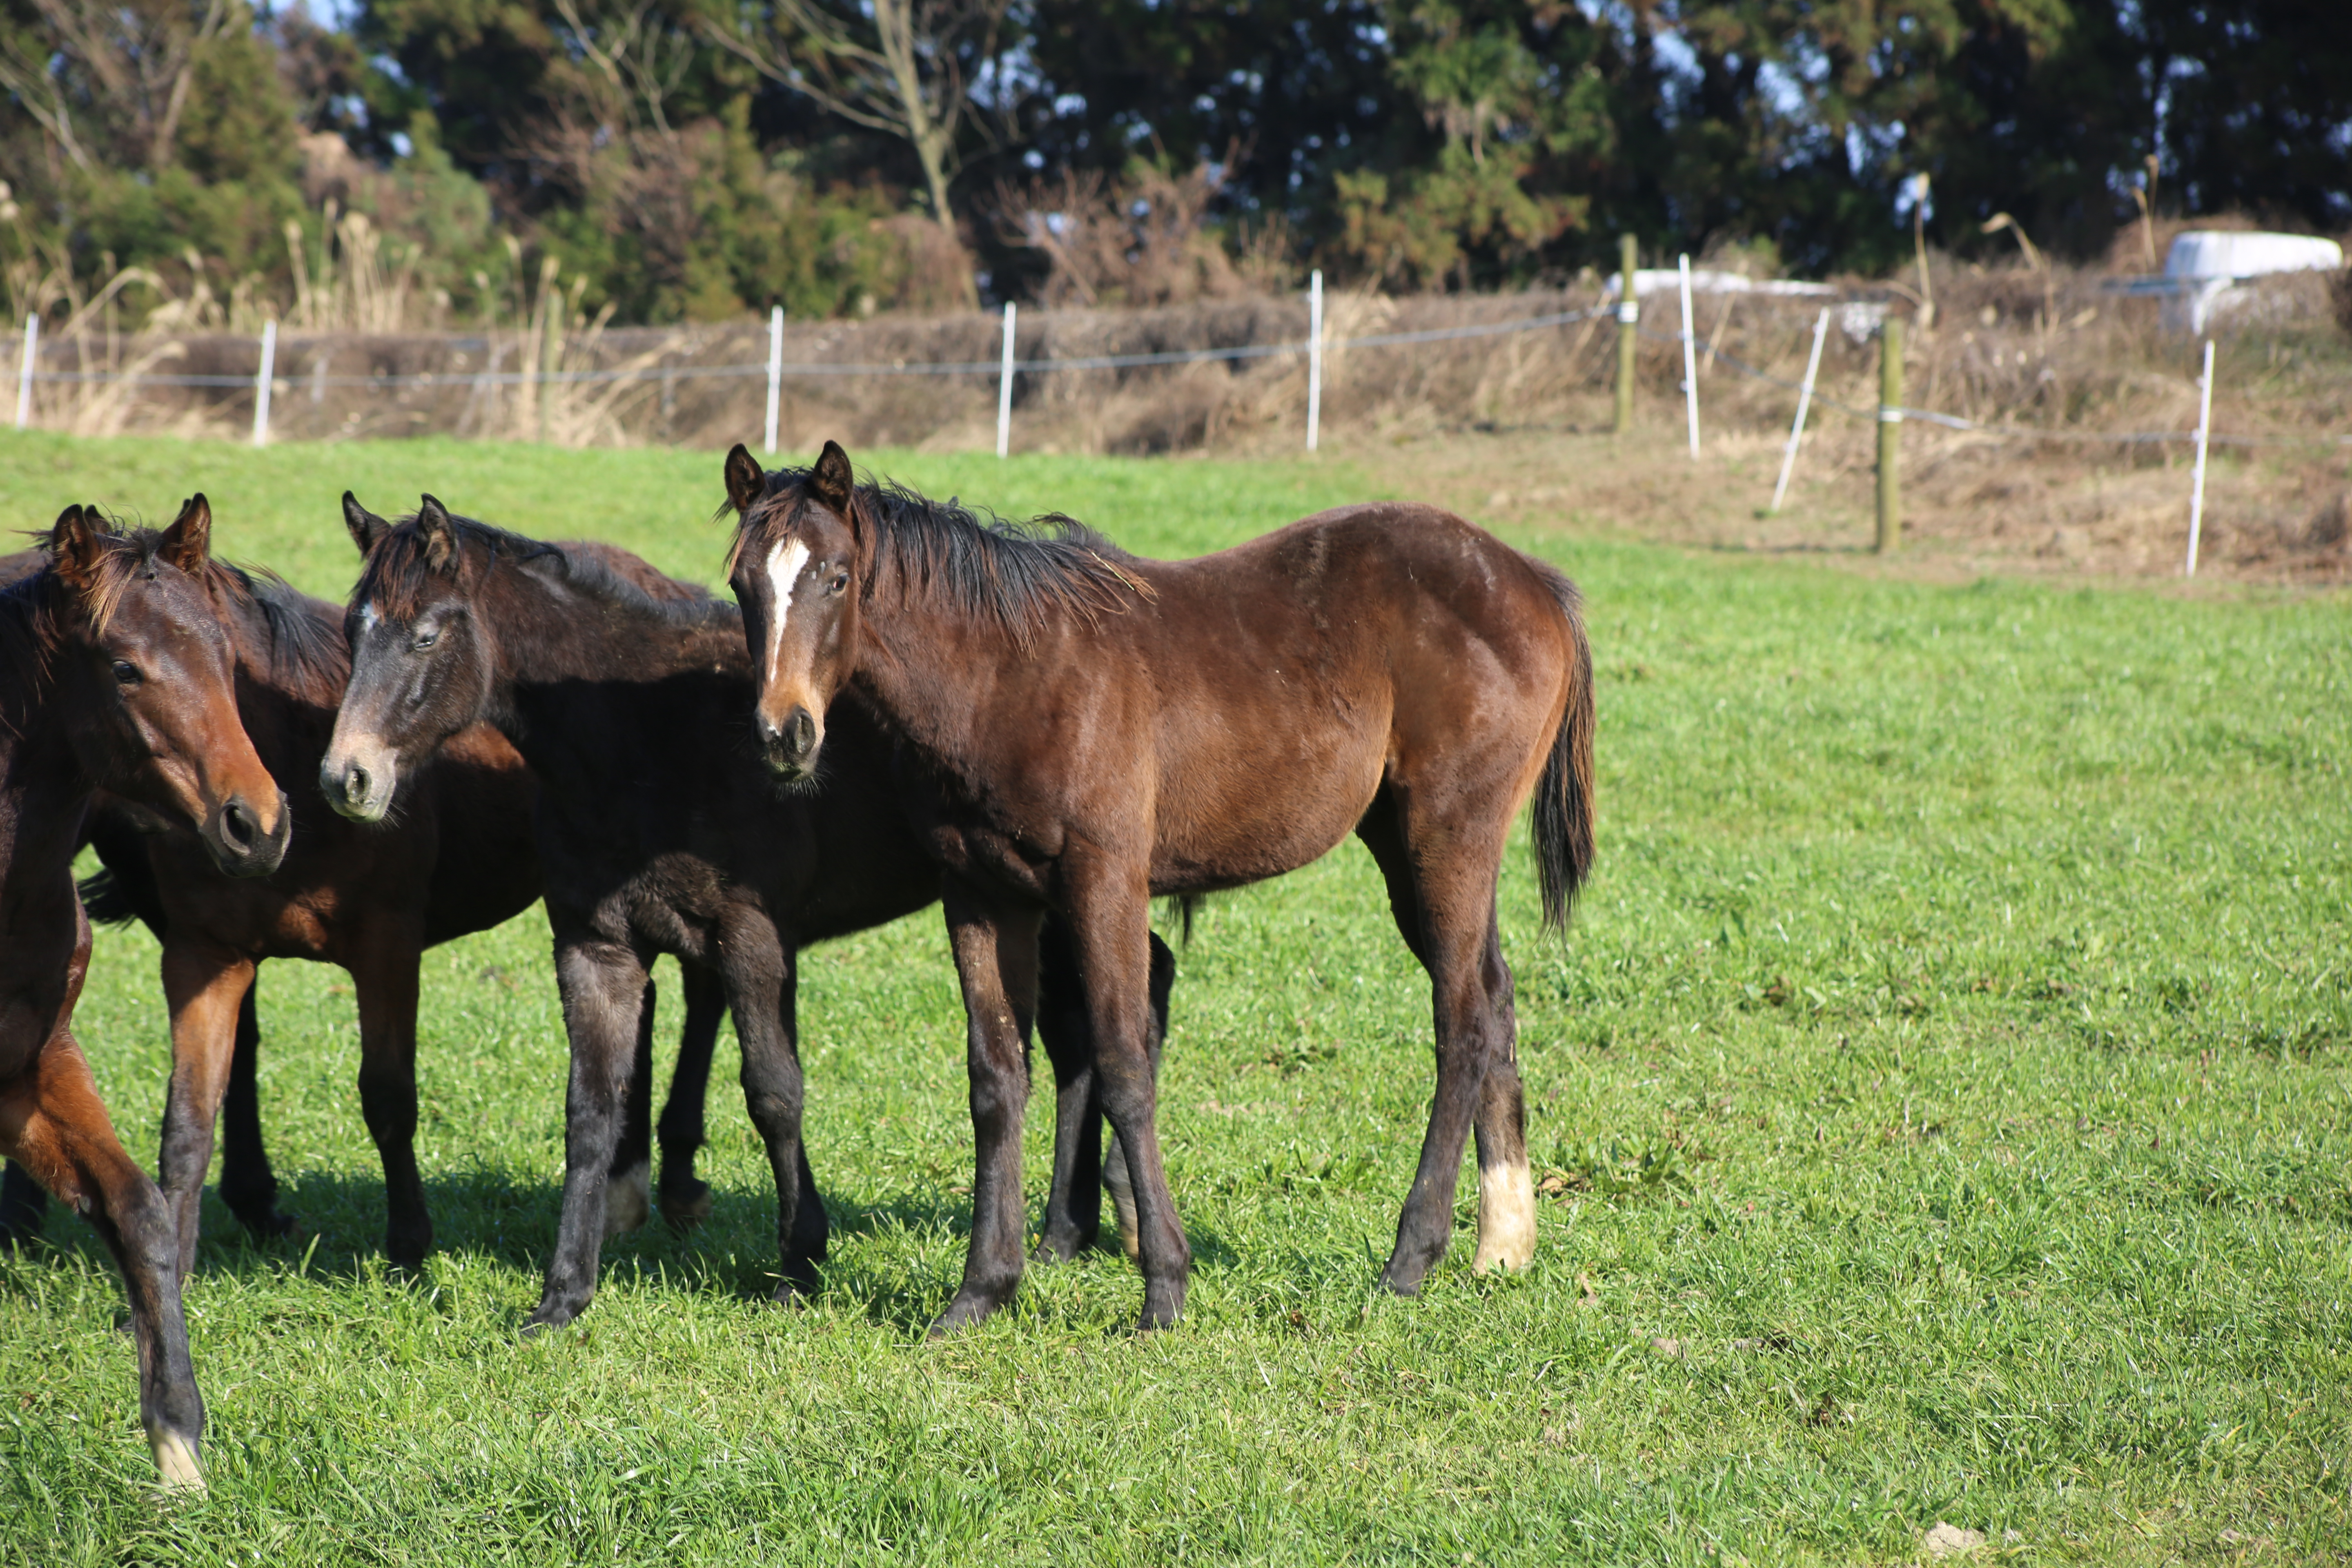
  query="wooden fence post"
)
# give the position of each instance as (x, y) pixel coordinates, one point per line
(1628, 313)
(1890, 431)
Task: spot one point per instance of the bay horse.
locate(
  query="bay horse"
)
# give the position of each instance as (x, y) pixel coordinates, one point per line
(660, 830)
(112, 674)
(1077, 730)
(370, 899)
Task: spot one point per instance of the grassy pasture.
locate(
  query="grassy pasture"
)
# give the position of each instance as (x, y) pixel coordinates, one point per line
(1941, 1104)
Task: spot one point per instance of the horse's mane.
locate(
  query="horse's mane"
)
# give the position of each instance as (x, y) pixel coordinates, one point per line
(308, 655)
(398, 573)
(1015, 573)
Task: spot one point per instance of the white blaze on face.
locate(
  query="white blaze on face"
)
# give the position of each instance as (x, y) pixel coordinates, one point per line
(367, 616)
(784, 562)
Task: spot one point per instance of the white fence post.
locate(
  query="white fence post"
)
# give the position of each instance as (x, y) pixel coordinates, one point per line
(24, 372)
(2197, 485)
(261, 384)
(1314, 357)
(775, 371)
(1804, 401)
(1004, 385)
(1690, 366)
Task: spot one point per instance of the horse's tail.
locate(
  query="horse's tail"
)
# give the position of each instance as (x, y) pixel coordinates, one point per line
(1564, 805)
(124, 888)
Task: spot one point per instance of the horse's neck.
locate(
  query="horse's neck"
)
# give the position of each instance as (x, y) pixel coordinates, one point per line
(44, 795)
(920, 669)
(288, 728)
(554, 641)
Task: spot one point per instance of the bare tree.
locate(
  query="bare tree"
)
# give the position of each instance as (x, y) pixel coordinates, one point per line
(908, 69)
(126, 67)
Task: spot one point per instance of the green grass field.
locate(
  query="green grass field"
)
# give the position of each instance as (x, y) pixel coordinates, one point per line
(1941, 1106)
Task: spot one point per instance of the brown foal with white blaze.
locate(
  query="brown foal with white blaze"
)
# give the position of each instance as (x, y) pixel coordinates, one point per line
(1079, 730)
(114, 676)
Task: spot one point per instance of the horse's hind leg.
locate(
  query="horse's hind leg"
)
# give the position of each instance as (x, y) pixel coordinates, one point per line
(629, 1187)
(686, 1198)
(1073, 1217)
(1082, 1167)
(762, 987)
(23, 1205)
(385, 982)
(247, 1184)
(205, 986)
(1507, 1194)
(1113, 1160)
(1442, 891)
(61, 1132)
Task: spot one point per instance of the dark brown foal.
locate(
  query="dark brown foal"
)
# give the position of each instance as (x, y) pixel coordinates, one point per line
(113, 674)
(1078, 730)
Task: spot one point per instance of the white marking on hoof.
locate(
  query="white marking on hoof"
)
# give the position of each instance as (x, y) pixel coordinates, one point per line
(628, 1199)
(1507, 1218)
(177, 1469)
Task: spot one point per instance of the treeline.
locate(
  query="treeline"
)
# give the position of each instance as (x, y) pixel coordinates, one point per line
(668, 159)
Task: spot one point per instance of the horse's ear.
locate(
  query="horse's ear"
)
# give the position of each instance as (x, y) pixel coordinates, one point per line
(745, 478)
(831, 481)
(440, 534)
(74, 547)
(188, 542)
(364, 527)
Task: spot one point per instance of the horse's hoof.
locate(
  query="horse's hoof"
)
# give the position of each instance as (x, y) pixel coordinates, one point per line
(1052, 1250)
(628, 1200)
(177, 1469)
(686, 1207)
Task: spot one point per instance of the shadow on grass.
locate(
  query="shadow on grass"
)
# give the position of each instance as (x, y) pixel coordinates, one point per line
(489, 1216)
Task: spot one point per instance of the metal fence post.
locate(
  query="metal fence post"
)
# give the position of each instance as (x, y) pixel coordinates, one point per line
(1890, 431)
(261, 380)
(1314, 357)
(1690, 363)
(24, 371)
(1004, 384)
(551, 356)
(2197, 485)
(1804, 401)
(775, 371)
(1629, 312)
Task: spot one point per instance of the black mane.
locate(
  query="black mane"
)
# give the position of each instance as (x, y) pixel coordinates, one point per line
(1015, 573)
(397, 574)
(307, 655)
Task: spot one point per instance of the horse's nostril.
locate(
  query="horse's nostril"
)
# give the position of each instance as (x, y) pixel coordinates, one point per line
(355, 785)
(799, 733)
(239, 827)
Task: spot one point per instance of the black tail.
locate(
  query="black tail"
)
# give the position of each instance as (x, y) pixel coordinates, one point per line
(106, 901)
(1563, 806)
(124, 889)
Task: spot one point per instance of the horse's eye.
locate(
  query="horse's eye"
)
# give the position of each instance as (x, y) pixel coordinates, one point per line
(125, 673)
(427, 639)
(840, 582)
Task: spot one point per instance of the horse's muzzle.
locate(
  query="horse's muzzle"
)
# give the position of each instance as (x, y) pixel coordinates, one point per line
(358, 788)
(791, 747)
(240, 845)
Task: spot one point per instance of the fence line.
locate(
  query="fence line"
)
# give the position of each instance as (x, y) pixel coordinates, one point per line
(1313, 347)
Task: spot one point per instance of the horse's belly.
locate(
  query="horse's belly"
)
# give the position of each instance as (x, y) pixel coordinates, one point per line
(1247, 821)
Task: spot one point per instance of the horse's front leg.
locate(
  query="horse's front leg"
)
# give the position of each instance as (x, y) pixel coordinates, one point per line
(1110, 925)
(603, 985)
(996, 963)
(205, 986)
